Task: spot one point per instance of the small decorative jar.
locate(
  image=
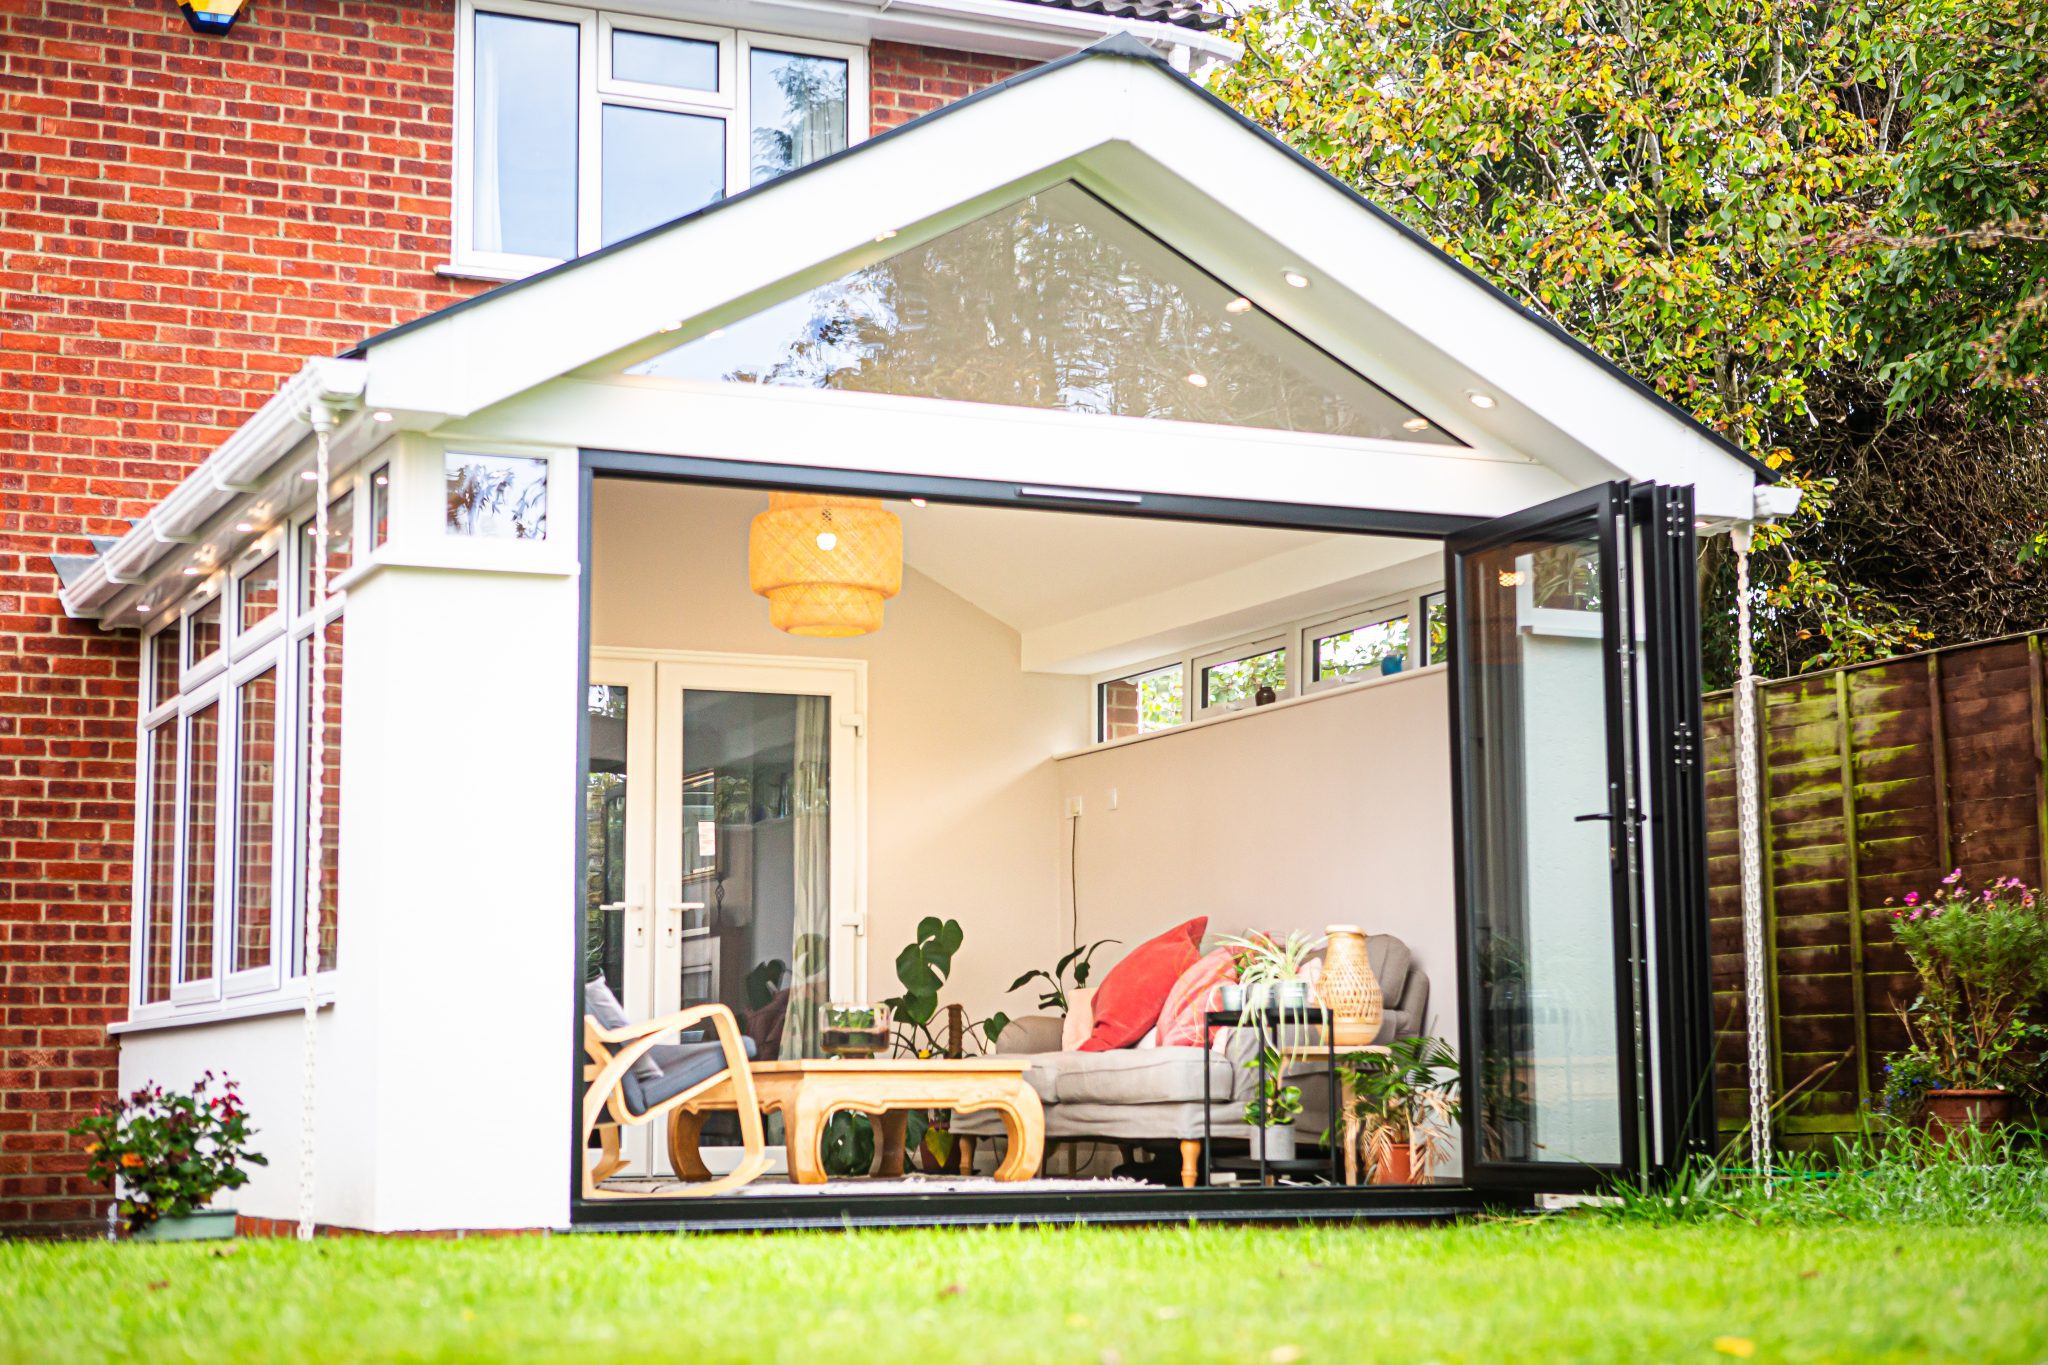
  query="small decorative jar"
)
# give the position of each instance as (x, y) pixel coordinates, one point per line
(850, 1030)
(1349, 988)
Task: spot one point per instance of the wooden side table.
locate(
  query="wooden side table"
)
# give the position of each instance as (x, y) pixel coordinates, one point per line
(808, 1091)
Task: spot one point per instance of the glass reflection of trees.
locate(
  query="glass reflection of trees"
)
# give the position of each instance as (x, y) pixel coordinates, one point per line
(1056, 302)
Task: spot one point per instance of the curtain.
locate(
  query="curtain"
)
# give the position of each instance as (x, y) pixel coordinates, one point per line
(811, 818)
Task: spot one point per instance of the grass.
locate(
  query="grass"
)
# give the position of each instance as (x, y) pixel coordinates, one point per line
(1580, 1288)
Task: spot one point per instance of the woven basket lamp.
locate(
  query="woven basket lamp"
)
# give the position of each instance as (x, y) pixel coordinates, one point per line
(1349, 988)
(825, 564)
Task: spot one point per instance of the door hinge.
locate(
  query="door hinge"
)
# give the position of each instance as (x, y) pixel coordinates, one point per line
(858, 723)
(1685, 749)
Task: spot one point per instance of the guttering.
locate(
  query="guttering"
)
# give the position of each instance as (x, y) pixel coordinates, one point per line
(236, 466)
(1025, 19)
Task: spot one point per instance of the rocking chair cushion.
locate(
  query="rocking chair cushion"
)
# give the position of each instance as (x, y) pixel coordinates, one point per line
(684, 1065)
(600, 1004)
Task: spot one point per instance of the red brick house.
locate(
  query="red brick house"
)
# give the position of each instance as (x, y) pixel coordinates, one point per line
(185, 219)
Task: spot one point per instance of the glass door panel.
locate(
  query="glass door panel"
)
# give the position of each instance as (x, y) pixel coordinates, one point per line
(618, 799)
(1548, 842)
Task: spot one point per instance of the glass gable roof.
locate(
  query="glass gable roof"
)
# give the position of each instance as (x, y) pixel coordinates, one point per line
(1060, 302)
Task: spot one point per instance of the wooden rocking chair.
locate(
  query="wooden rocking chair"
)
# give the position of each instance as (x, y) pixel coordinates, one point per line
(615, 1098)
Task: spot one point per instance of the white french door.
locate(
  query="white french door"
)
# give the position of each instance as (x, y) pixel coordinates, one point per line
(724, 837)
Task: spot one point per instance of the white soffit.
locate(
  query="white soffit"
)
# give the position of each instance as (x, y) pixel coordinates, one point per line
(1168, 156)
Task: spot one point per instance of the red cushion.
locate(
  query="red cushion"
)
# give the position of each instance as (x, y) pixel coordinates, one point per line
(1130, 998)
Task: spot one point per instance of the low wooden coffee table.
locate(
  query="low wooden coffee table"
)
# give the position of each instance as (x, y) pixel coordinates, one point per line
(809, 1091)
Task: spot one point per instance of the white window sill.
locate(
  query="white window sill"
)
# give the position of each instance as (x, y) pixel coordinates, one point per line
(490, 274)
(1243, 713)
(323, 998)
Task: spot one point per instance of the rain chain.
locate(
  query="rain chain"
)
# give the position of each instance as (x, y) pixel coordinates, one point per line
(1756, 998)
(316, 719)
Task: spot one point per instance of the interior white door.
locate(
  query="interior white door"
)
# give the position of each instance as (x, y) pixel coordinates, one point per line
(618, 869)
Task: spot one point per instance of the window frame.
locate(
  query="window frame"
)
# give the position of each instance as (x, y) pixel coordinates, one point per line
(271, 643)
(1098, 685)
(1388, 610)
(1246, 647)
(596, 87)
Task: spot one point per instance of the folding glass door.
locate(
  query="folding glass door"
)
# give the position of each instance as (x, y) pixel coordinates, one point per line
(1575, 685)
(721, 831)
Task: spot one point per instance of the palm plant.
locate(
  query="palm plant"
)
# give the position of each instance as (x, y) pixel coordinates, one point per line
(1407, 1095)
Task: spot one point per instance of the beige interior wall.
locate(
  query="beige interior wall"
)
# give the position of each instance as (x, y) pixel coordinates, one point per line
(963, 799)
(1332, 810)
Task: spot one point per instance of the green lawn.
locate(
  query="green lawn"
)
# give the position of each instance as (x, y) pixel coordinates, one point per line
(1575, 1289)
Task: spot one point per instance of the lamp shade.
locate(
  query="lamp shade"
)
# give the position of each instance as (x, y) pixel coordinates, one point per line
(825, 563)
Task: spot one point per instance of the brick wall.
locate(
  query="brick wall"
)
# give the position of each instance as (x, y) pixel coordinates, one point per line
(182, 222)
(907, 80)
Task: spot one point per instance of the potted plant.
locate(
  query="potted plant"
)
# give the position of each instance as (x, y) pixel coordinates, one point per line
(1982, 960)
(1272, 1111)
(1405, 1101)
(168, 1153)
(1273, 972)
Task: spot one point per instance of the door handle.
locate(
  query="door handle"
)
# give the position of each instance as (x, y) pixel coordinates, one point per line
(672, 920)
(1637, 816)
(635, 921)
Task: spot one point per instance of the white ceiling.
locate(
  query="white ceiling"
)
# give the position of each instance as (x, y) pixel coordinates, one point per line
(1089, 593)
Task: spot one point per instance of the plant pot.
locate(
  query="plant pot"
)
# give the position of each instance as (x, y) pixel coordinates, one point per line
(1273, 1143)
(1230, 997)
(1396, 1165)
(1952, 1111)
(1291, 995)
(212, 1225)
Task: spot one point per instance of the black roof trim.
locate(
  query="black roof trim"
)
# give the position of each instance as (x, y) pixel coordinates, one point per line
(1125, 46)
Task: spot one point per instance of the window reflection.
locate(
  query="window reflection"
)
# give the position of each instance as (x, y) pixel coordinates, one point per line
(1055, 302)
(799, 111)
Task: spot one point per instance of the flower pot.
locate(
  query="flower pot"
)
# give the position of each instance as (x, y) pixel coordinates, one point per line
(210, 1225)
(1349, 988)
(1291, 995)
(1952, 1111)
(1396, 1165)
(1273, 1143)
(1230, 997)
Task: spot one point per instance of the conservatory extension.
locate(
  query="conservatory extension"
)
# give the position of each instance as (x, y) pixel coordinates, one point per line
(722, 666)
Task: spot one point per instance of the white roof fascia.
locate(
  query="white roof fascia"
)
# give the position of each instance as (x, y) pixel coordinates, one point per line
(237, 467)
(1381, 299)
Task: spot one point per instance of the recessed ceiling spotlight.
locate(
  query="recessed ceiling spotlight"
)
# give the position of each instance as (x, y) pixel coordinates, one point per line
(1295, 278)
(144, 608)
(1240, 304)
(1482, 401)
(382, 481)
(309, 475)
(885, 234)
(1417, 424)
(245, 526)
(1199, 380)
(380, 415)
(714, 334)
(917, 502)
(670, 327)
(190, 571)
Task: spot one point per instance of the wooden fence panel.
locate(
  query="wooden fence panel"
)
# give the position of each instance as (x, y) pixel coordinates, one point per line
(1875, 780)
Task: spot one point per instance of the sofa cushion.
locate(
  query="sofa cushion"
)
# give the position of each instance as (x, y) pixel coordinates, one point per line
(1192, 996)
(1080, 1018)
(1161, 1075)
(688, 1064)
(1128, 1002)
(1389, 959)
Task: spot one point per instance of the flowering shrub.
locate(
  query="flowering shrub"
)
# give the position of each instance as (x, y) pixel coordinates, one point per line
(1982, 958)
(170, 1150)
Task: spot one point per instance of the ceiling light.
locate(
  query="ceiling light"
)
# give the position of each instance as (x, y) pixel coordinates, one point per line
(380, 415)
(917, 502)
(191, 571)
(670, 327)
(825, 562)
(885, 234)
(1482, 401)
(310, 475)
(1416, 424)
(714, 334)
(1240, 304)
(382, 481)
(245, 526)
(1199, 380)
(1295, 278)
(143, 608)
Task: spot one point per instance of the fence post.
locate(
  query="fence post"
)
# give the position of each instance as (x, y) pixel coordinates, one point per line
(1937, 739)
(1853, 885)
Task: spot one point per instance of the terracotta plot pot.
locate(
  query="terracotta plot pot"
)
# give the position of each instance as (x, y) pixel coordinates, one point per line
(1952, 1111)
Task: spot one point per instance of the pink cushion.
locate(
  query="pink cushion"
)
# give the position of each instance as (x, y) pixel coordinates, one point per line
(1080, 1020)
(1128, 1001)
(1193, 995)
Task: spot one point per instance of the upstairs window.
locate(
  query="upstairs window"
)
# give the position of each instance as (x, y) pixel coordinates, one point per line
(584, 127)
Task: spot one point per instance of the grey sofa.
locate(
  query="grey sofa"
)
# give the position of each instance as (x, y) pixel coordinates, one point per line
(1152, 1096)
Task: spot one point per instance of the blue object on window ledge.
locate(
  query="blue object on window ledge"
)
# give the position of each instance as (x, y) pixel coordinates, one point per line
(1390, 665)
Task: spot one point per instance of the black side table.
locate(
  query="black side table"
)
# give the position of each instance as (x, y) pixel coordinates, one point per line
(1269, 1023)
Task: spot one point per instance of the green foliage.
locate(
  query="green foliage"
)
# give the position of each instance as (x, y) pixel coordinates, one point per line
(1816, 226)
(170, 1150)
(1274, 1102)
(1982, 959)
(848, 1144)
(1898, 1176)
(1407, 1094)
(1053, 999)
(923, 966)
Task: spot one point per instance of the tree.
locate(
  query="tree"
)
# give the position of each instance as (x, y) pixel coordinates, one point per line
(1721, 197)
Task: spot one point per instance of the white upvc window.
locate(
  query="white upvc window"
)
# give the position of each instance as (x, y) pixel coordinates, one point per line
(576, 128)
(1294, 658)
(221, 801)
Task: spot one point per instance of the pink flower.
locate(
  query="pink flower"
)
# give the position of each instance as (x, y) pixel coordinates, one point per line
(1952, 878)
(1912, 898)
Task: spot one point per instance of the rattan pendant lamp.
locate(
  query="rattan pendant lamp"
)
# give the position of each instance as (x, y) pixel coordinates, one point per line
(825, 563)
